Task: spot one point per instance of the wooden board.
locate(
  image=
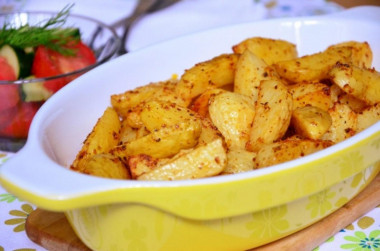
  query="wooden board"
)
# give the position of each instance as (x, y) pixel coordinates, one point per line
(52, 230)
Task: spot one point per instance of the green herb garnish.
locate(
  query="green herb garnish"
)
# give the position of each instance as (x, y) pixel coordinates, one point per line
(50, 34)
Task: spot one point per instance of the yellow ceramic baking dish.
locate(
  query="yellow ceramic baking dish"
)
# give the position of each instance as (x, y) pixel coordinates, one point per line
(231, 212)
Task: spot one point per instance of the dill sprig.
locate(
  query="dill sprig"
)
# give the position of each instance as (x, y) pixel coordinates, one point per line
(50, 34)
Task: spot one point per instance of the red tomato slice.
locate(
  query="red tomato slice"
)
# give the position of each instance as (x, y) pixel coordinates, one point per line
(49, 63)
(19, 125)
(9, 94)
(6, 71)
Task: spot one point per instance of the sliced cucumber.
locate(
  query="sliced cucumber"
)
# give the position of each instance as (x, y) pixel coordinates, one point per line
(19, 59)
(34, 92)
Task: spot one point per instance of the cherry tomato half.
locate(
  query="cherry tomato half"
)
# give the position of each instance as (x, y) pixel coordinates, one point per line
(6, 70)
(18, 127)
(9, 94)
(49, 63)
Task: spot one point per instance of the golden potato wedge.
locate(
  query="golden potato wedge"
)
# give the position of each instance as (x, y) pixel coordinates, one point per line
(214, 73)
(361, 83)
(335, 93)
(313, 67)
(127, 133)
(250, 71)
(232, 113)
(344, 123)
(273, 112)
(159, 114)
(201, 103)
(269, 50)
(355, 104)
(311, 94)
(209, 132)
(203, 161)
(104, 136)
(164, 90)
(286, 150)
(239, 161)
(311, 122)
(162, 143)
(361, 53)
(368, 117)
(140, 164)
(107, 166)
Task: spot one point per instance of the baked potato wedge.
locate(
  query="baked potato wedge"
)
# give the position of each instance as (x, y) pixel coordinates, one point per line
(269, 50)
(368, 117)
(286, 150)
(313, 67)
(200, 162)
(164, 90)
(214, 73)
(361, 53)
(361, 83)
(311, 122)
(107, 166)
(311, 94)
(344, 123)
(103, 137)
(273, 112)
(250, 71)
(239, 160)
(232, 113)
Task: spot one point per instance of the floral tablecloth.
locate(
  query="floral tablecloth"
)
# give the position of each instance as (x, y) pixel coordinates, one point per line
(191, 16)
(361, 235)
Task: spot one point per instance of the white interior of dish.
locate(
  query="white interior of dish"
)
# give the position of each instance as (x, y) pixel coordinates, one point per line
(63, 123)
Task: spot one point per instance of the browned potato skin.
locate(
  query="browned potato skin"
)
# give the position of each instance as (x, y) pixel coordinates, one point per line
(162, 143)
(314, 67)
(344, 123)
(362, 83)
(104, 136)
(311, 94)
(250, 71)
(201, 103)
(273, 112)
(232, 113)
(286, 150)
(106, 166)
(209, 132)
(164, 91)
(239, 160)
(368, 117)
(269, 50)
(140, 164)
(204, 161)
(361, 53)
(210, 74)
(311, 122)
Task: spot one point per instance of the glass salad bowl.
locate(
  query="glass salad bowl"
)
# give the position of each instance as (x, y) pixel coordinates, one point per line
(29, 76)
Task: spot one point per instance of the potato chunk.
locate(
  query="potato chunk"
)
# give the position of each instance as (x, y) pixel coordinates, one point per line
(344, 123)
(313, 67)
(214, 73)
(361, 83)
(106, 166)
(203, 161)
(287, 150)
(273, 112)
(232, 114)
(250, 71)
(311, 122)
(104, 136)
(269, 50)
